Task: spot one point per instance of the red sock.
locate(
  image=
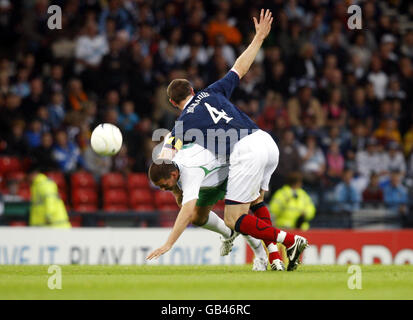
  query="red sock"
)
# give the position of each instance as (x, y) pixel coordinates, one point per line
(274, 255)
(260, 229)
(261, 212)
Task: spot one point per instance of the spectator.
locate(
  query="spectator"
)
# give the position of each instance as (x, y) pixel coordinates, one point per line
(369, 160)
(22, 86)
(56, 110)
(313, 161)
(346, 195)
(43, 154)
(378, 77)
(395, 194)
(119, 15)
(334, 110)
(34, 133)
(220, 25)
(32, 102)
(76, 95)
(66, 153)
(291, 206)
(373, 194)
(16, 144)
(128, 118)
(90, 49)
(388, 131)
(394, 159)
(305, 105)
(96, 164)
(360, 111)
(335, 163)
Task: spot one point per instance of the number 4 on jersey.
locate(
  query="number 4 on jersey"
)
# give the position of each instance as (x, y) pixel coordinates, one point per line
(217, 115)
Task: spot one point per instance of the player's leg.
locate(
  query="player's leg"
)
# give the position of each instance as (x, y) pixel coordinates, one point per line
(247, 163)
(260, 210)
(260, 262)
(207, 219)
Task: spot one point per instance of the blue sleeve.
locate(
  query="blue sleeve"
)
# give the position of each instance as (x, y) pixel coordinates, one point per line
(226, 85)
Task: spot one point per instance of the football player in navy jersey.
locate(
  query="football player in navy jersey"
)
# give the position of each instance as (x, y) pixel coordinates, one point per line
(209, 118)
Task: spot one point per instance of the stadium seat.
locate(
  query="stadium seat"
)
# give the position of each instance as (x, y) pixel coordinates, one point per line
(82, 180)
(76, 222)
(84, 196)
(115, 197)
(115, 208)
(140, 197)
(16, 223)
(113, 181)
(168, 208)
(63, 196)
(138, 181)
(163, 198)
(85, 208)
(9, 164)
(143, 207)
(59, 178)
(24, 193)
(16, 175)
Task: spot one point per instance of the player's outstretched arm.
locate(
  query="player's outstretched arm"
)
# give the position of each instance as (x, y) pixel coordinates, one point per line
(262, 29)
(184, 218)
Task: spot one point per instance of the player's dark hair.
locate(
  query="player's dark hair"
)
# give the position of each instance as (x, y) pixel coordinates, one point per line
(178, 90)
(158, 171)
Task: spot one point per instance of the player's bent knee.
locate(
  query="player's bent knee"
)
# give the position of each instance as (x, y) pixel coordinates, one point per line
(199, 220)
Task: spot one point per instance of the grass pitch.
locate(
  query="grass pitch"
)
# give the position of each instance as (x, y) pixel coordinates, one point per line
(205, 282)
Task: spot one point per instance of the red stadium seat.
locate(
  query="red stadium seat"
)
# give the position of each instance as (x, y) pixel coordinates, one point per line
(76, 222)
(140, 197)
(82, 180)
(24, 193)
(169, 208)
(143, 207)
(85, 208)
(59, 178)
(115, 197)
(113, 181)
(84, 196)
(164, 198)
(138, 181)
(115, 208)
(63, 196)
(16, 175)
(9, 164)
(17, 224)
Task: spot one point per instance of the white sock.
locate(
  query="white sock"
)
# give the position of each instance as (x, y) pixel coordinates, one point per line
(256, 246)
(216, 224)
(272, 248)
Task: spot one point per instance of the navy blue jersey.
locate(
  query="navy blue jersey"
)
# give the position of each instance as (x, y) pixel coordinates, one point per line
(211, 120)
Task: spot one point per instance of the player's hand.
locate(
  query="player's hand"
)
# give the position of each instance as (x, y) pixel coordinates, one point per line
(263, 27)
(158, 252)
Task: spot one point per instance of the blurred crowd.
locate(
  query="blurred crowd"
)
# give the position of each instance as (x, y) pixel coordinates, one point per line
(338, 102)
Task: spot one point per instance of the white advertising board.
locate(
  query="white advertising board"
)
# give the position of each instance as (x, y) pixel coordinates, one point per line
(124, 246)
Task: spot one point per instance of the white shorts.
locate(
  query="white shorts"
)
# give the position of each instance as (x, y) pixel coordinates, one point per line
(252, 162)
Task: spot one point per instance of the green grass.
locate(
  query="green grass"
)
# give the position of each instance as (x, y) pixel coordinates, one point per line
(205, 282)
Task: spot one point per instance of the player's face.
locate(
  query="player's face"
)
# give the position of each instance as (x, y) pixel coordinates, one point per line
(167, 184)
